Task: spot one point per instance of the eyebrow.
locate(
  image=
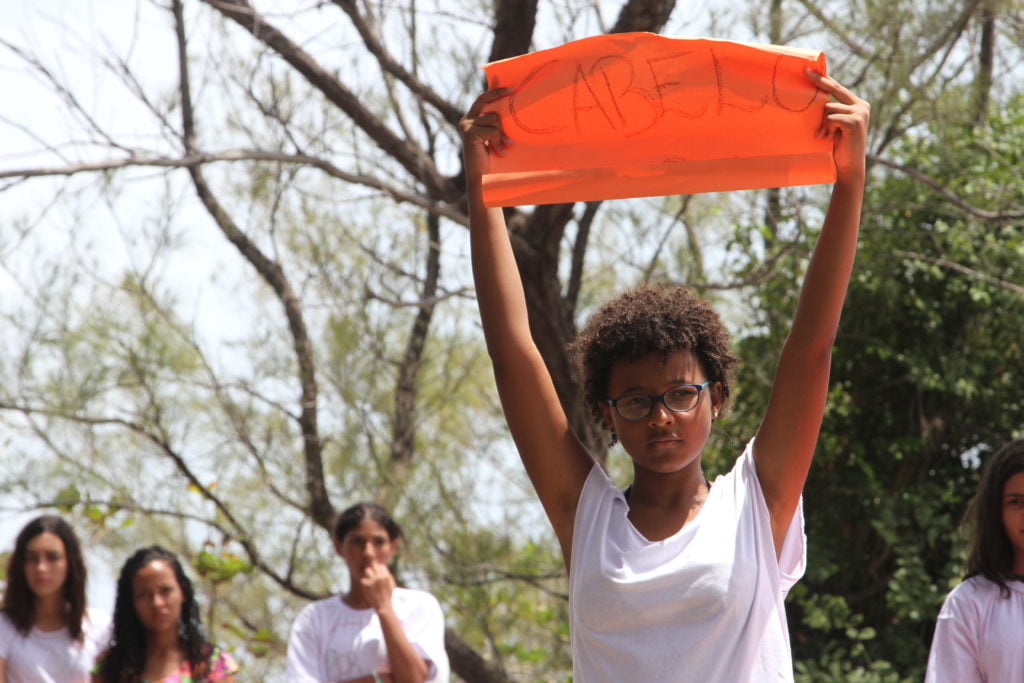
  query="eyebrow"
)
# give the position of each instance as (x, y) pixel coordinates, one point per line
(673, 382)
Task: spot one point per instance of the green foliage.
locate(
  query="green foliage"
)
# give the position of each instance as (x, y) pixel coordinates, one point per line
(923, 376)
(508, 597)
(220, 567)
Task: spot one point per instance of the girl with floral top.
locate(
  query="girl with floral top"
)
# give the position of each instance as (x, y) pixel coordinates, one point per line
(157, 635)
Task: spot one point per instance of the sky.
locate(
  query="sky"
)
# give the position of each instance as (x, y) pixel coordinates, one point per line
(73, 37)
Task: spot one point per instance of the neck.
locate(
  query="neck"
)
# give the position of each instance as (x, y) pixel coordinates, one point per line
(679, 491)
(162, 641)
(661, 504)
(50, 612)
(356, 598)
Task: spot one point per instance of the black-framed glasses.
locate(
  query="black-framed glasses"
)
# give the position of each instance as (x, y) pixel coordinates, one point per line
(678, 399)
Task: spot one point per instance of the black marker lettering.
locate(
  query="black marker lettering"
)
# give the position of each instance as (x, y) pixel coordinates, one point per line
(775, 90)
(577, 107)
(722, 104)
(662, 87)
(515, 112)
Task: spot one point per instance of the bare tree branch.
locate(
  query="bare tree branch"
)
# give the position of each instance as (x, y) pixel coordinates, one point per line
(579, 250)
(237, 532)
(851, 44)
(403, 441)
(196, 158)
(963, 270)
(371, 38)
(945, 192)
(320, 506)
(404, 151)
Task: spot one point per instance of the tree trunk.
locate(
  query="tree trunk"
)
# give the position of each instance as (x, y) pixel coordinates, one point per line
(986, 59)
(537, 238)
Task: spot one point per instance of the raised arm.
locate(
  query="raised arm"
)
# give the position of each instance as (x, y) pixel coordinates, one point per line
(555, 460)
(788, 433)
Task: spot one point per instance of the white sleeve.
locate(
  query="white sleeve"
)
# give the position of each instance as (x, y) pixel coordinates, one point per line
(426, 633)
(954, 653)
(305, 663)
(6, 636)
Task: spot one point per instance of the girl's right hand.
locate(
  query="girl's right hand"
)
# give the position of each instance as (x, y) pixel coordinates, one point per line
(482, 132)
(378, 584)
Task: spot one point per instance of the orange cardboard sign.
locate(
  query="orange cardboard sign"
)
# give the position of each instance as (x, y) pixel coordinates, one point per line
(638, 114)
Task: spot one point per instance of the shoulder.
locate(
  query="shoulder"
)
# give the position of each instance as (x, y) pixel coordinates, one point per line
(416, 598)
(7, 635)
(319, 609)
(970, 595)
(597, 491)
(222, 664)
(974, 588)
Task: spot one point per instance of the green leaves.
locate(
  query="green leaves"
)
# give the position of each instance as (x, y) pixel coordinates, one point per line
(67, 498)
(220, 567)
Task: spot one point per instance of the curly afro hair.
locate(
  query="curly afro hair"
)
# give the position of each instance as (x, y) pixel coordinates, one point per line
(650, 319)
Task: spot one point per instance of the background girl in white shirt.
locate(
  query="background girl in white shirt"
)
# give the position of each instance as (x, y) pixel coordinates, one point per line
(376, 632)
(980, 629)
(46, 632)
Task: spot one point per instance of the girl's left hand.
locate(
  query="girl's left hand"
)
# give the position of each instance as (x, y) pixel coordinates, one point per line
(846, 118)
(378, 584)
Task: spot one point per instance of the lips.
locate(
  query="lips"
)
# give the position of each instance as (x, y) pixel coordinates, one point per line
(663, 438)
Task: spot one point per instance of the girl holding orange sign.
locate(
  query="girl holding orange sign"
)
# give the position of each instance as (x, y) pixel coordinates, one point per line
(675, 578)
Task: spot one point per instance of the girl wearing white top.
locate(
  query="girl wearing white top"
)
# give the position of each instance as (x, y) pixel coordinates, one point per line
(47, 635)
(376, 632)
(675, 579)
(980, 628)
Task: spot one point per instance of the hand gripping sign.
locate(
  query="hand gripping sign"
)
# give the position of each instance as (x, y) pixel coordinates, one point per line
(638, 114)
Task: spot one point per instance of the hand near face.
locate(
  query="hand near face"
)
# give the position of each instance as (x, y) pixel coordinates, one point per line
(378, 584)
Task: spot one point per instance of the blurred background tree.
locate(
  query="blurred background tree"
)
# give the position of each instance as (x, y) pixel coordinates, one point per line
(236, 299)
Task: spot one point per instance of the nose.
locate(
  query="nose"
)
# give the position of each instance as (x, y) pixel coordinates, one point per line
(660, 414)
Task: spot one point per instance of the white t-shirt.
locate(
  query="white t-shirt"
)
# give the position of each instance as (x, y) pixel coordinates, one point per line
(52, 656)
(330, 641)
(703, 605)
(979, 636)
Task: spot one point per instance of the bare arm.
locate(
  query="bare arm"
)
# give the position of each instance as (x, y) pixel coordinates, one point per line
(555, 460)
(407, 666)
(405, 663)
(788, 433)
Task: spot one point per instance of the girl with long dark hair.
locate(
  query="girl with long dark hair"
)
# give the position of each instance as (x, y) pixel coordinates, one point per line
(980, 630)
(157, 634)
(376, 632)
(46, 632)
